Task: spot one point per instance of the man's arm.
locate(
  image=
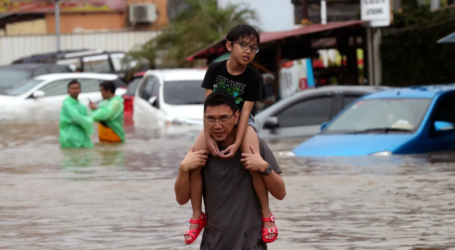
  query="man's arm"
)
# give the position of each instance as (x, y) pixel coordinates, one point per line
(191, 161)
(182, 187)
(273, 181)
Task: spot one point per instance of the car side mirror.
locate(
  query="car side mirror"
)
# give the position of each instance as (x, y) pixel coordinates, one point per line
(324, 125)
(271, 123)
(443, 126)
(38, 94)
(152, 100)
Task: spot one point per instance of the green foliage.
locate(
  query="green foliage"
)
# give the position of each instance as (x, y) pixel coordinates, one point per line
(202, 24)
(410, 53)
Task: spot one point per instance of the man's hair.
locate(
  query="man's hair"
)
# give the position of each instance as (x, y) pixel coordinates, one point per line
(219, 98)
(242, 30)
(109, 86)
(73, 82)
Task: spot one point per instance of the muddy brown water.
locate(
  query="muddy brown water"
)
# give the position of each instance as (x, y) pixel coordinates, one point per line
(121, 196)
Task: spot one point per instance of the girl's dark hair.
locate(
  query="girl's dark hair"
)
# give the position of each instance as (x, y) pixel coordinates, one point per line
(109, 86)
(242, 30)
(219, 98)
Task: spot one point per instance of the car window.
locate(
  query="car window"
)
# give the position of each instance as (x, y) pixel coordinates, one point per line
(146, 89)
(41, 71)
(89, 85)
(444, 110)
(183, 92)
(309, 112)
(348, 99)
(59, 87)
(22, 87)
(9, 78)
(97, 64)
(393, 113)
(74, 64)
(133, 86)
(117, 61)
(59, 69)
(120, 84)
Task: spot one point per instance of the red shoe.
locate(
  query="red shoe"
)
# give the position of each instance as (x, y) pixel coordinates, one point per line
(194, 233)
(266, 232)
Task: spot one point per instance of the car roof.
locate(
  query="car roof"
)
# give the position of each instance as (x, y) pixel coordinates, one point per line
(52, 77)
(179, 74)
(429, 91)
(26, 66)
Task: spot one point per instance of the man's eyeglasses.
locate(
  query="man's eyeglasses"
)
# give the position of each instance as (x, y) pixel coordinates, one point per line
(245, 46)
(222, 120)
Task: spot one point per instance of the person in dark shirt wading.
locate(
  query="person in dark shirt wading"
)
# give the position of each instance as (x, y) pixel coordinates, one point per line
(234, 216)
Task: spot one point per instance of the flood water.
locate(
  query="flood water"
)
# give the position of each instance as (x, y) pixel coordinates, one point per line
(122, 197)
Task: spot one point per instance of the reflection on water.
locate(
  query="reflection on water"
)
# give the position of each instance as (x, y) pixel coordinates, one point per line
(121, 196)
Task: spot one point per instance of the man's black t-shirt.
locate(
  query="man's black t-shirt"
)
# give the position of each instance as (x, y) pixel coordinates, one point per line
(243, 87)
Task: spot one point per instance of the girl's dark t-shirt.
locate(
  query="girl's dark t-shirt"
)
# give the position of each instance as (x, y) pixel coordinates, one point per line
(243, 87)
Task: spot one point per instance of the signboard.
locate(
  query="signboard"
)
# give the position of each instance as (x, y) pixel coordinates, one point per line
(377, 12)
(295, 76)
(47, 6)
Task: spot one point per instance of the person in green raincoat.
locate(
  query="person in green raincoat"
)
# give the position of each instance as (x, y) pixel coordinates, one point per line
(109, 114)
(75, 125)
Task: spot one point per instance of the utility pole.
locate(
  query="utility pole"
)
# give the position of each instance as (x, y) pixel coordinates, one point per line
(57, 23)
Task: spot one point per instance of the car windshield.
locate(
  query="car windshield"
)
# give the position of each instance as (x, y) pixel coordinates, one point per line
(183, 92)
(381, 116)
(22, 87)
(133, 86)
(9, 77)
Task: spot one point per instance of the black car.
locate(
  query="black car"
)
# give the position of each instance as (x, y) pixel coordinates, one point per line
(16, 73)
(87, 60)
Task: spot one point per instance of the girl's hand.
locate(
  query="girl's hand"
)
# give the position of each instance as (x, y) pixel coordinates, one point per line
(212, 146)
(229, 152)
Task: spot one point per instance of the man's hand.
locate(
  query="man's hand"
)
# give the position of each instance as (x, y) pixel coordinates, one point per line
(194, 160)
(92, 105)
(254, 161)
(212, 146)
(229, 151)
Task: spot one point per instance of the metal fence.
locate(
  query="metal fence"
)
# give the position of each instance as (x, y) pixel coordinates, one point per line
(15, 47)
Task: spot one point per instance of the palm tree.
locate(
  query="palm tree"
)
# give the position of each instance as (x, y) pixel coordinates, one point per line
(201, 24)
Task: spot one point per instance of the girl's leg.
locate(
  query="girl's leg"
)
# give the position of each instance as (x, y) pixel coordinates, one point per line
(196, 184)
(259, 185)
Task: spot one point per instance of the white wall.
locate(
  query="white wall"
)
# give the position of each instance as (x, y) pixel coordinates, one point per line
(273, 15)
(15, 47)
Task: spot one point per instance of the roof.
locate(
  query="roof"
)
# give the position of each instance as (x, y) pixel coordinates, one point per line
(179, 74)
(218, 47)
(448, 39)
(52, 77)
(429, 91)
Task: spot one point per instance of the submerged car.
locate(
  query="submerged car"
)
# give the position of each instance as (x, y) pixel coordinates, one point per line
(42, 96)
(396, 121)
(301, 115)
(173, 96)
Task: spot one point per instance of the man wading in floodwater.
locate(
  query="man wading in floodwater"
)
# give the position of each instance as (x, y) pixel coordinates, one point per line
(109, 114)
(234, 217)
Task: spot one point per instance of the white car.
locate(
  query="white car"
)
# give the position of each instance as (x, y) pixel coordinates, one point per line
(173, 96)
(41, 97)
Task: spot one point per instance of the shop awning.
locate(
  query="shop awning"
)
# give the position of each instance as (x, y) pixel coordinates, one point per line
(218, 48)
(448, 39)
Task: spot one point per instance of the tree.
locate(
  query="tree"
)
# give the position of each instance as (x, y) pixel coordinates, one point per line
(189, 31)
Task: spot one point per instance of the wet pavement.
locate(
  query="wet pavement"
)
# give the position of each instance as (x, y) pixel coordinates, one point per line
(122, 197)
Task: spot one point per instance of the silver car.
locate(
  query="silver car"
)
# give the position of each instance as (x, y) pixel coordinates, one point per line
(302, 114)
